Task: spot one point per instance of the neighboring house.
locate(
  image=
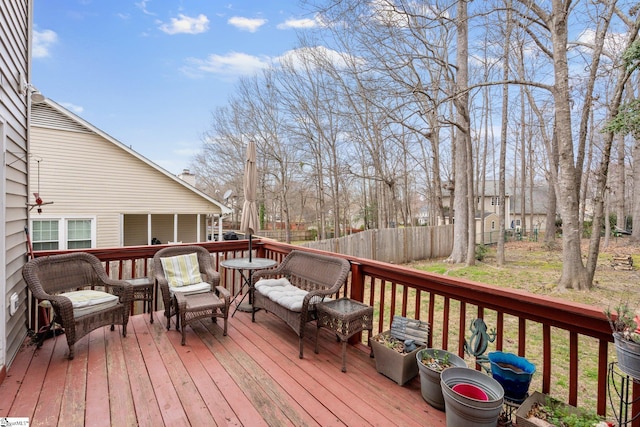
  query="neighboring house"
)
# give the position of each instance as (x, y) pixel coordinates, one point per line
(16, 21)
(103, 193)
(533, 221)
(490, 205)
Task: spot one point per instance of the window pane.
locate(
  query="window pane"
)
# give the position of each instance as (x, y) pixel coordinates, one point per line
(45, 235)
(78, 233)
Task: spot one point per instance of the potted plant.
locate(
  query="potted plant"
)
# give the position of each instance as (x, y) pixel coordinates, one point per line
(542, 410)
(395, 358)
(431, 363)
(626, 336)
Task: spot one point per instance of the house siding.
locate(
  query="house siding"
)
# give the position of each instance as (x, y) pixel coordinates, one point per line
(15, 27)
(85, 174)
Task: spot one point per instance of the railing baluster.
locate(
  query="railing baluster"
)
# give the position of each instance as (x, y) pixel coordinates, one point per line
(573, 368)
(546, 358)
(445, 324)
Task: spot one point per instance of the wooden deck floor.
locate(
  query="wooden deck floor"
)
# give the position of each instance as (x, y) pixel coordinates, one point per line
(251, 377)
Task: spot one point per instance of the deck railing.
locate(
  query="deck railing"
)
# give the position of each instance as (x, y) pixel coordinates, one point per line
(568, 342)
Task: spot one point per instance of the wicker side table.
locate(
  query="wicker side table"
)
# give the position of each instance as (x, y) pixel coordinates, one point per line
(143, 290)
(199, 306)
(346, 318)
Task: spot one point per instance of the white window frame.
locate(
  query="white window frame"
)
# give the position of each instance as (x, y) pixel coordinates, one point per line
(62, 227)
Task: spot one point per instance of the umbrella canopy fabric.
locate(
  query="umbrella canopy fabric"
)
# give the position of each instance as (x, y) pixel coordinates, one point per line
(249, 221)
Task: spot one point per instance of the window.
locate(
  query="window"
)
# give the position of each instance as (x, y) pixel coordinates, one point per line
(495, 201)
(493, 225)
(62, 233)
(45, 235)
(78, 234)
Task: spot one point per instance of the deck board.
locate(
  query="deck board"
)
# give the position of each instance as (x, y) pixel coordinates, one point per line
(251, 377)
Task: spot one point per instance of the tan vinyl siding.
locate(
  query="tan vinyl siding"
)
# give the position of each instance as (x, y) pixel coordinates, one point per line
(15, 22)
(84, 172)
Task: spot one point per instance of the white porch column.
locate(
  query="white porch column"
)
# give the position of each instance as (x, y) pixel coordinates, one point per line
(198, 239)
(220, 228)
(149, 229)
(175, 227)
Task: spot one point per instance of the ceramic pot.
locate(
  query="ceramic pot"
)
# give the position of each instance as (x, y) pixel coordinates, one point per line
(513, 373)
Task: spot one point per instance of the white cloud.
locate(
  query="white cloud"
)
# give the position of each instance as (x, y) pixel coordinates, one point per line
(186, 25)
(42, 42)
(303, 23)
(247, 24)
(317, 54)
(142, 5)
(72, 107)
(231, 64)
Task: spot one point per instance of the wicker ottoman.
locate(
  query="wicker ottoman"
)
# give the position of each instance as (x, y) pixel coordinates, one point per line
(346, 318)
(199, 306)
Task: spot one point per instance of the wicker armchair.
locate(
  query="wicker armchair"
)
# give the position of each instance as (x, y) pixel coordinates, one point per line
(57, 279)
(208, 272)
(319, 275)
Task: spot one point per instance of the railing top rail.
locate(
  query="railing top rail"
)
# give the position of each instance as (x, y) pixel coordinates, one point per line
(581, 318)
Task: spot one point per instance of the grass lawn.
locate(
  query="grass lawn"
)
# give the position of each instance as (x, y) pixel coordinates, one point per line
(532, 267)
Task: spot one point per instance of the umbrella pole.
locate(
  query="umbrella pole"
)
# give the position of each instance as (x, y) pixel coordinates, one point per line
(250, 247)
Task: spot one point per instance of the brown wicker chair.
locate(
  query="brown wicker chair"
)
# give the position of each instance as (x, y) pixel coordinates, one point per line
(208, 272)
(49, 277)
(320, 275)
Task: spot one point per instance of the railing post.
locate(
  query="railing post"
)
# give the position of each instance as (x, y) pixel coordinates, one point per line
(356, 293)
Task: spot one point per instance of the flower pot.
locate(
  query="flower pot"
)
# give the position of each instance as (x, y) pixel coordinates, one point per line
(400, 367)
(430, 378)
(513, 373)
(628, 353)
(524, 417)
(464, 411)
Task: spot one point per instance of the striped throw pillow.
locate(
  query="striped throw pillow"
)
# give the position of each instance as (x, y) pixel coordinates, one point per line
(181, 270)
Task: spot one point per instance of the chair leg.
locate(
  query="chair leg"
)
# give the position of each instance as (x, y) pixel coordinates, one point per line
(300, 347)
(182, 330)
(71, 352)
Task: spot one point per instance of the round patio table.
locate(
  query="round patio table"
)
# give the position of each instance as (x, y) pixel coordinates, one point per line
(246, 267)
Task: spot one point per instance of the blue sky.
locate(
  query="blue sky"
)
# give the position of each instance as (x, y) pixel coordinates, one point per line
(150, 72)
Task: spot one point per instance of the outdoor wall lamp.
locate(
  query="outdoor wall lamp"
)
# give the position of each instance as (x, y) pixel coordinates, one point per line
(28, 88)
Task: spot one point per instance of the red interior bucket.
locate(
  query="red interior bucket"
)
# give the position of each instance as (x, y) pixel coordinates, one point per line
(471, 391)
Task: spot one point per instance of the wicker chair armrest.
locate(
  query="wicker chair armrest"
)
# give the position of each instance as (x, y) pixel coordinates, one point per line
(122, 288)
(223, 292)
(60, 304)
(318, 293)
(213, 276)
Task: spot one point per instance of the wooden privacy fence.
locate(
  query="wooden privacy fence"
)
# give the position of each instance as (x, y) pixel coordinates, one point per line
(393, 245)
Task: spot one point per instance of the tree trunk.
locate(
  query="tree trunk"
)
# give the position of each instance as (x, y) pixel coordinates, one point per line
(461, 226)
(574, 274)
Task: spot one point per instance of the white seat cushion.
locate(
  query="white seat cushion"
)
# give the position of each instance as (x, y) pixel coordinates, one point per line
(89, 301)
(284, 293)
(190, 289)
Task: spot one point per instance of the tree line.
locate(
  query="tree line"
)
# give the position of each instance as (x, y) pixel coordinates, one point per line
(394, 110)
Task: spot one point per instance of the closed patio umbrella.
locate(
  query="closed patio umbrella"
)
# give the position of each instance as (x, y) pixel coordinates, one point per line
(249, 221)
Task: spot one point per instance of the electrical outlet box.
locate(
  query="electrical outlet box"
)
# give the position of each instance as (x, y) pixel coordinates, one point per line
(14, 303)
